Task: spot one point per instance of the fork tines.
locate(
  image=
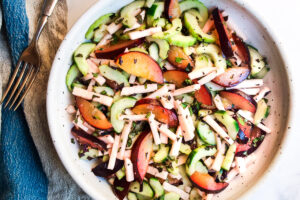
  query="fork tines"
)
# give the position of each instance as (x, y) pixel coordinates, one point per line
(19, 84)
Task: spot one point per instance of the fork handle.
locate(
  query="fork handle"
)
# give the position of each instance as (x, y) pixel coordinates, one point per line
(49, 7)
(47, 11)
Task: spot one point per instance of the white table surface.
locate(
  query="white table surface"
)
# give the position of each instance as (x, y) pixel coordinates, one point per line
(283, 180)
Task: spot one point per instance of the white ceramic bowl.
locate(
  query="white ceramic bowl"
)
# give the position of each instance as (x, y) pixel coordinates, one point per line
(246, 25)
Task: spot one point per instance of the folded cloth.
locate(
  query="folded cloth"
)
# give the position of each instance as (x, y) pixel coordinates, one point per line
(19, 158)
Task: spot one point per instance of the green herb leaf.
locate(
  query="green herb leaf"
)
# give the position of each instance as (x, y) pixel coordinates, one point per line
(120, 188)
(178, 59)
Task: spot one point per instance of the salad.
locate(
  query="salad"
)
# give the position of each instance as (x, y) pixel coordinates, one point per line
(169, 100)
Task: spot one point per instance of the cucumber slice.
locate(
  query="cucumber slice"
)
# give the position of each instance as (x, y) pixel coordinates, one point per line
(131, 196)
(194, 195)
(229, 157)
(72, 74)
(256, 60)
(202, 61)
(154, 12)
(262, 111)
(139, 50)
(173, 168)
(185, 179)
(163, 46)
(200, 167)
(189, 4)
(262, 73)
(88, 153)
(99, 33)
(196, 155)
(127, 75)
(113, 75)
(121, 173)
(127, 13)
(157, 187)
(182, 40)
(80, 55)
(185, 149)
(104, 90)
(79, 85)
(175, 29)
(214, 87)
(101, 20)
(214, 52)
(204, 112)
(205, 133)
(193, 27)
(117, 108)
(162, 154)
(153, 51)
(146, 193)
(185, 98)
(149, 3)
(231, 125)
(170, 196)
(160, 22)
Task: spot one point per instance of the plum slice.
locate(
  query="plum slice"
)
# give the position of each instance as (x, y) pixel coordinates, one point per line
(84, 138)
(112, 51)
(204, 97)
(92, 115)
(240, 100)
(148, 101)
(102, 171)
(161, 114)
(178, 58)
(172, 9)
(141, 153)
(141, 65)
(232, 76)
(223, 34)
(176, 77)
(256, 138)
(207, 183)
(121, 187)
(242, 49)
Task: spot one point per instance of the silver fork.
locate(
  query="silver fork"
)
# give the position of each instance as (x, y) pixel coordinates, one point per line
(28, 64)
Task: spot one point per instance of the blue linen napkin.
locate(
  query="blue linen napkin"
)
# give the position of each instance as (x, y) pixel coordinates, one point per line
(21, 173)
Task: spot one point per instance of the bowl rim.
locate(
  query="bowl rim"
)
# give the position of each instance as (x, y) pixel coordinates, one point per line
(240, 3)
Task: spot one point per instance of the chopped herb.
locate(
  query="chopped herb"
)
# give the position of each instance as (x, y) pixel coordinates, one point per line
(115, 40)
(120, 188)
(191, 110)
(257, 139)
(184, 105)
(241, 121)
(129, 142)
(188, 81)
(96, 117)
(148, 114)
(72, 141)
(95, 75)
(95, 134)
(228, 62)
(103, 92)
(178, 59)
(145, 85)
